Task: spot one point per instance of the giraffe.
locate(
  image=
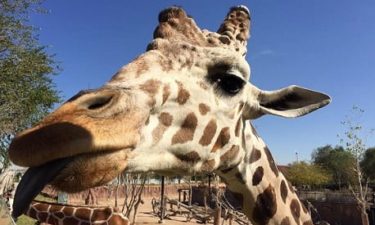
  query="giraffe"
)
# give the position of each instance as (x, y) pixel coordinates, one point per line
(184, 106)
(58, 214)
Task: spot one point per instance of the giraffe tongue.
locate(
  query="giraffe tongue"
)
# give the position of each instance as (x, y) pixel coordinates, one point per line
(33, 181)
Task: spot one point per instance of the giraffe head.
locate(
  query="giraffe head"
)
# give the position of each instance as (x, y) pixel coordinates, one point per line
(178, 108)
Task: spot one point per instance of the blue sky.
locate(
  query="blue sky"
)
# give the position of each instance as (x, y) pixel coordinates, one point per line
(327, 45)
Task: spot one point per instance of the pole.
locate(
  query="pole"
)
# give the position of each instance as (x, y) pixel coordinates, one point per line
(297, 157)
(162, 209)
(209, 184)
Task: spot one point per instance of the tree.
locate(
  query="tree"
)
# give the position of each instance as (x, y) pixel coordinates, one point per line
(355, 143)
(27, 91)
(337, 162)
(134, 185)
(303, 173)
(368, 163)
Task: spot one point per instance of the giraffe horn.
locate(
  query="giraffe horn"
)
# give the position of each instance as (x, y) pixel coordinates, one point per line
(236, 25)
(174, 23)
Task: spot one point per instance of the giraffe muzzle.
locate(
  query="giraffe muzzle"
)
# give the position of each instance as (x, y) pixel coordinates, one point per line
(70, 174)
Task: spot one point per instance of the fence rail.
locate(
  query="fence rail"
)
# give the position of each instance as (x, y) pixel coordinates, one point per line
(339, 197)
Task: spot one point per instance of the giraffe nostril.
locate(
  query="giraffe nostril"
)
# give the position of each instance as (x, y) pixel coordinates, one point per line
(99, 102)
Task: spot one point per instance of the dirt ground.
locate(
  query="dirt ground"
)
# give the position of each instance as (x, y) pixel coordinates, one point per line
(146, 216)
(4, 217)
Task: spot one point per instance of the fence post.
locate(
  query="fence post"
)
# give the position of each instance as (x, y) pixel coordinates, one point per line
(162, 208)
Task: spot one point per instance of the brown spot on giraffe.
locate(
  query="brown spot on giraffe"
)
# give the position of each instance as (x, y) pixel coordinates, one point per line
(43, 216)
(151, 87)
(165, 120)
(222, 139)
(166, 64)
(166, 93)
(208, 133)
(53, 220)
(230, 154)
(255, 155)
(271, 161)
(141, 65)
(186, 132)
(82, 213)
(39, 207)
(183, 95)
(116, 219)
(309, 222)
(295, 208)
(32, 213)
(54, 208)
(258, 175)
(283, 190)
(285, 221)
(100, 214)
(203, 108)
(68, 211)
(70, 220)
(265, 206)
(189, 157)
(208, 165)
(59, 215)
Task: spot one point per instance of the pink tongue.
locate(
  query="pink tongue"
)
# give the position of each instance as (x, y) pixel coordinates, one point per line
(33, 182)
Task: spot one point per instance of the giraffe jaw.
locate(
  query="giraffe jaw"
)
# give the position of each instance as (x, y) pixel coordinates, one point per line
(91, 170)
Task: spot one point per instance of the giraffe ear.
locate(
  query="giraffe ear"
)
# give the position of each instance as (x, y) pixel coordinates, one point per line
(292, 101)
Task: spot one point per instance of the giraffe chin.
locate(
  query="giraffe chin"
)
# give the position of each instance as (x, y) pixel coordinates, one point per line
(71, 174)
(91, 170)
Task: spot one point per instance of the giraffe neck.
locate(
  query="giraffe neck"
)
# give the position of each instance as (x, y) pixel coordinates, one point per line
(53, 213)
(266, 196)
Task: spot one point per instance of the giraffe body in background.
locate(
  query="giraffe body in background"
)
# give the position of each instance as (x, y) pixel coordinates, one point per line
(58, 214)
(184, 106)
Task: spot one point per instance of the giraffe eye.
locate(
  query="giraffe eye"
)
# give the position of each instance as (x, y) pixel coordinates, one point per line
(230, 84)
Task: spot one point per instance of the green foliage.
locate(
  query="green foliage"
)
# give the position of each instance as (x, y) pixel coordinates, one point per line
(338, 162)
(25, 220)
(354, 137)
(368, 163)
(26, 88)
(354, 140)
(303, 173)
